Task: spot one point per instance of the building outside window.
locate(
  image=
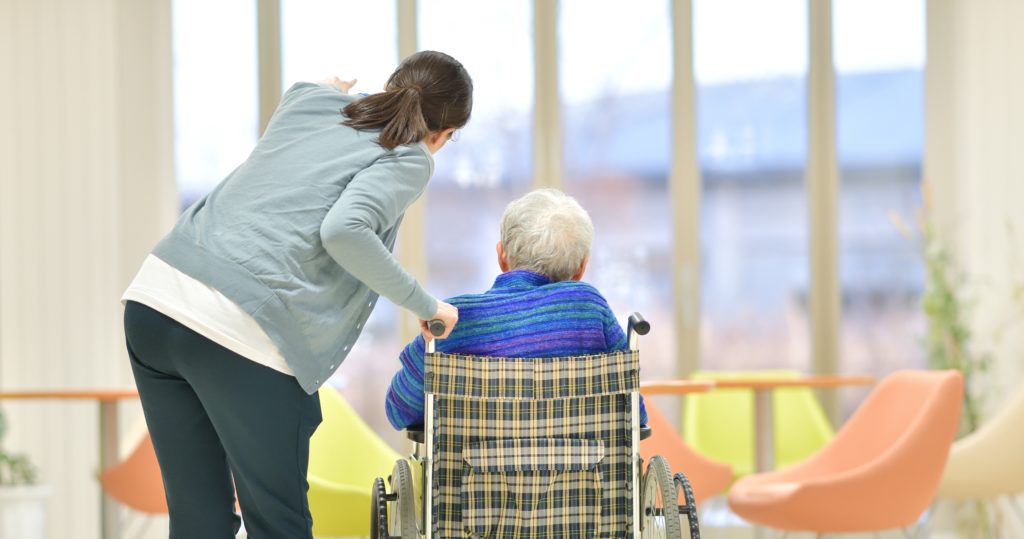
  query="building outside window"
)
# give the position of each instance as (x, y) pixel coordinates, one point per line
(879, 59)
(491, 163)
(615, 75)
(751, 73)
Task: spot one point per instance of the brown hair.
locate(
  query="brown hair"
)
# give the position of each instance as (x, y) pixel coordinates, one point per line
(429, 91)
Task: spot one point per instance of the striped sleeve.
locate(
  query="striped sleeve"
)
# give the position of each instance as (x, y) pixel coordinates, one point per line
(404, 401)
(616, 340)
(614, 337)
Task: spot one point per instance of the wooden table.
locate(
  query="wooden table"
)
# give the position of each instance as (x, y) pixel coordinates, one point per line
(764, 428)
(675, 387)
(108, 437)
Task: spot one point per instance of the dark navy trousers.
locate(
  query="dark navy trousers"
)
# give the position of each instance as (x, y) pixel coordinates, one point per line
(221, 423)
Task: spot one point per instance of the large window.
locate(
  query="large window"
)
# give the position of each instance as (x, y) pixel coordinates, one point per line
(615, 107)
(615, 73)
(215, 91)
(879, 59)
(491, 163)
(751, 62)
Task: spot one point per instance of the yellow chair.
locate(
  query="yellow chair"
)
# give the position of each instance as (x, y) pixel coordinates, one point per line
(720, 424)
(345, 455)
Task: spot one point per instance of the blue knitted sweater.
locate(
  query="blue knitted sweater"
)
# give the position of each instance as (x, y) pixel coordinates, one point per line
(523, 315)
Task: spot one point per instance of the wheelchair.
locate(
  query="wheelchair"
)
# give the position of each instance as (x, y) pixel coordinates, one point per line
(532, 448)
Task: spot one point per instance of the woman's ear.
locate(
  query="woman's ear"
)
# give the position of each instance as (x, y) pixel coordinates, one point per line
(435, 140)
(582, 270)
(502, 257)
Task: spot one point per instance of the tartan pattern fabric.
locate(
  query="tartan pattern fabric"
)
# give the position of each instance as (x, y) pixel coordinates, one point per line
(536, 454)
(532, 448)
(519, 378)
(549, 486)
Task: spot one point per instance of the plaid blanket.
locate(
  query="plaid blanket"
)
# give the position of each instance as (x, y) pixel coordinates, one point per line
(532, 448)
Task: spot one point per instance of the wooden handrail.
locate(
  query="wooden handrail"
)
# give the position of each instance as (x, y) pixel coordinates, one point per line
(690, 385)
(675, 387)
(79, 394)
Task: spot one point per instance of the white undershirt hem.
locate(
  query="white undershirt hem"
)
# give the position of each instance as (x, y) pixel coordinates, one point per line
(204, 310)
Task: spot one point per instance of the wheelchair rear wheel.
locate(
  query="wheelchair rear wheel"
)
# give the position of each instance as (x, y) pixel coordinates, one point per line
(378, 510)
(687, 505)
(659, 507)
(402, 521)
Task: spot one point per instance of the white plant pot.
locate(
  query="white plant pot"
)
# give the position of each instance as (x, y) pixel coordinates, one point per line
(23, 511)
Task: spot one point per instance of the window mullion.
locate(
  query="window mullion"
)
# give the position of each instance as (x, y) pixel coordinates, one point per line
(685, 192)
(822, 181)
(547, 128)
(268, 37)
(412, 239)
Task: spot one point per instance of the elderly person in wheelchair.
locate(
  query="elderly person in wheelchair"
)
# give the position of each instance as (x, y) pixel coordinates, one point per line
(529, 412)
(538, 306)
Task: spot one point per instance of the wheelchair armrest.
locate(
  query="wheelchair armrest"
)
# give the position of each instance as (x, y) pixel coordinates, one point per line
(645, 432)
(415, 433)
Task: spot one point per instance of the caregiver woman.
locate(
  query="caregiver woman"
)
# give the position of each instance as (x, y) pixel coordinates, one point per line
(261, 289)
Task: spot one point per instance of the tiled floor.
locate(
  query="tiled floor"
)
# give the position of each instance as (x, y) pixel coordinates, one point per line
(717, 522)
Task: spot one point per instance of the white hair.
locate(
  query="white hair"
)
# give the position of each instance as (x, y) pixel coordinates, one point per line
(547, 232)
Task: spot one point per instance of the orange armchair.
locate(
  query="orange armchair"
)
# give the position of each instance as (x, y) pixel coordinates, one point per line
(881, 470)
(136, 480)
(707, 477)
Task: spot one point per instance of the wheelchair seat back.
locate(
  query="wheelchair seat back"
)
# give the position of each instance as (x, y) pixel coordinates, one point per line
(532, 447)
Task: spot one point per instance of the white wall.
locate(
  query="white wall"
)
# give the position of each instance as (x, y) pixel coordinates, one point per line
(86, 187)
(975, 163)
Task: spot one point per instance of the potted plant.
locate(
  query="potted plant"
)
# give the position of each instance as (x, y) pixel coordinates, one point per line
(948, 344)
(948, 338)
(22, 500)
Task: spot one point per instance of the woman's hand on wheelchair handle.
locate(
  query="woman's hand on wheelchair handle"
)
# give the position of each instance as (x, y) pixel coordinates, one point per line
(446, 313)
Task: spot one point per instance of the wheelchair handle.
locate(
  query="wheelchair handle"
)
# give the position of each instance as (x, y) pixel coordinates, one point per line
(436, 327)
(638, 324)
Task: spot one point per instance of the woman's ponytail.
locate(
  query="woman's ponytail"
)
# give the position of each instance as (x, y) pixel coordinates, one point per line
(429, 91)
(398, 111)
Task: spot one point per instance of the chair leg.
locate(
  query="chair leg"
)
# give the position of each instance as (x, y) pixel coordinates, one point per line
(145, 527)
(1015, 506)
(923, 522)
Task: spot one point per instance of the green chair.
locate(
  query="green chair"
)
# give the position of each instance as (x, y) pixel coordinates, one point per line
(720, 424)
(345, 455)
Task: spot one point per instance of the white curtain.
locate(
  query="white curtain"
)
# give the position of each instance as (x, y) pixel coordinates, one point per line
(86, 187)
